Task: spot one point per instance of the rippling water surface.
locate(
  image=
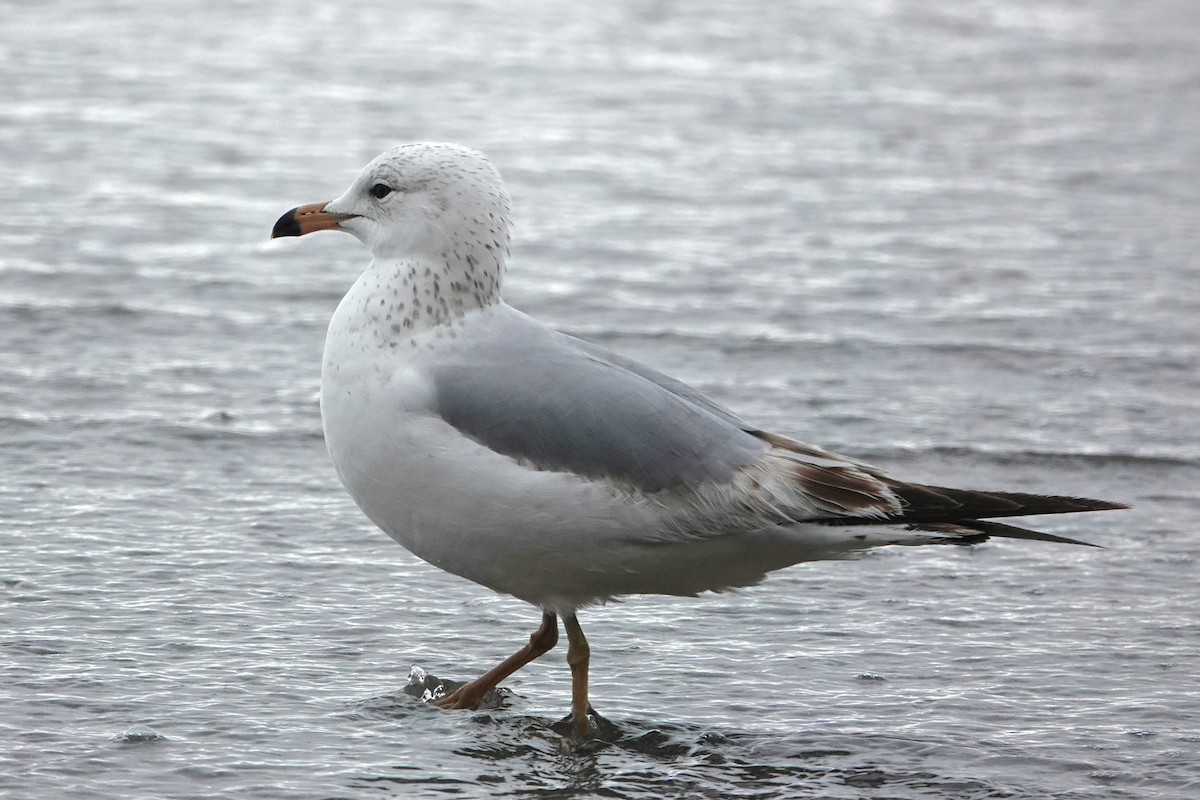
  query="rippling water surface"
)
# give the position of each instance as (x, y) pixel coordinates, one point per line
(959, 241)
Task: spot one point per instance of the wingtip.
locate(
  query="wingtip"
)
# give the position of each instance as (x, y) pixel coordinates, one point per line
(1088, 504)
(1003, 530)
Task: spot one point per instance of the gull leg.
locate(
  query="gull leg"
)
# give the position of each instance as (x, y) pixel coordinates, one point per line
(578, 657)
(540, 642)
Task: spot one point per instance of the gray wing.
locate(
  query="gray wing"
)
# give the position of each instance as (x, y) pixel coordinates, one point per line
(810, 453)
(555, 403)
(675, 387)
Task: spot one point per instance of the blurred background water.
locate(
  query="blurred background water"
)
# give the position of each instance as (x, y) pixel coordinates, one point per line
(958, 240)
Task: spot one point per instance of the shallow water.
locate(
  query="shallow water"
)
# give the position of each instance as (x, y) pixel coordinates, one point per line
(958, 242)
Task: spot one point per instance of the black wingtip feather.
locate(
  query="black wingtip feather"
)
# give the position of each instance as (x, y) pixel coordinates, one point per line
(940, 504)
(1001, 530)
(965, 516)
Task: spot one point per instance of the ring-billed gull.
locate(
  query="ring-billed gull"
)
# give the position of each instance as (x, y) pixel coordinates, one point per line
(550, 469)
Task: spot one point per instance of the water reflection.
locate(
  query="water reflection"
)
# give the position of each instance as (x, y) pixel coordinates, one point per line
(521, 755)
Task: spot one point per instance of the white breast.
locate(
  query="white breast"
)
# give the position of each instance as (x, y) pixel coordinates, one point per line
(554, 539)
(446, 498)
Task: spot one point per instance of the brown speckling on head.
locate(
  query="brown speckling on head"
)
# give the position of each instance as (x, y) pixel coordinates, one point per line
(441, 232)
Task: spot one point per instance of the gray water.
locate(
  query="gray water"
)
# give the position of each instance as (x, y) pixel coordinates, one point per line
(957, 240)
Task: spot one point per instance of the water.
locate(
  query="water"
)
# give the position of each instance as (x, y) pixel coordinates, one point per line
(960, 242)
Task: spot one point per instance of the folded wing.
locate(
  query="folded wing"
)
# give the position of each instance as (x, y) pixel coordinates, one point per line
(556, 403)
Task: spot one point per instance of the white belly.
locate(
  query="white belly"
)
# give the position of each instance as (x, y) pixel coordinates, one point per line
(553, 539)
(454, 503)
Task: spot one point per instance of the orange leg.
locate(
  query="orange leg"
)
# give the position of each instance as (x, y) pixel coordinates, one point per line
(542, 641)
(578, 657)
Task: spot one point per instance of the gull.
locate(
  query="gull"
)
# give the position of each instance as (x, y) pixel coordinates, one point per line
(550, 469)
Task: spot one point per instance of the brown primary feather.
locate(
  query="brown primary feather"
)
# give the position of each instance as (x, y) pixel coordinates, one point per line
(845, 488)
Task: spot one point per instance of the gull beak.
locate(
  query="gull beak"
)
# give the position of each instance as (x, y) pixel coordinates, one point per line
(306, 219)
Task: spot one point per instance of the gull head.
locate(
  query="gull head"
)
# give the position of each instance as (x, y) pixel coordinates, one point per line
(424, 200)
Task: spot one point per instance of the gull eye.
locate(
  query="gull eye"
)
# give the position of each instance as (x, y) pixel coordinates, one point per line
(380, 191)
